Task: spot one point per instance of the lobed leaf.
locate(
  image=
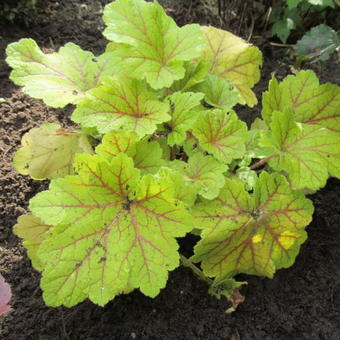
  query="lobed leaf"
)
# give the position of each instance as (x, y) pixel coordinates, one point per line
(195, 73)
(146, 155)
(311, 102)
(307, 153)
(319, 43)
(122, 103)
(218, 92)
(121, 232)
(252, 233)
(231, 58)
(185, 109)
(221, 134)
(184, 190)
(33, 231)
(57, 78)
(49, 151)
(154, 47)
(202, 171)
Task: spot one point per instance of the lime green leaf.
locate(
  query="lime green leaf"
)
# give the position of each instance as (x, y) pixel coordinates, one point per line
(307, 153)
(221, 134)
(311, 102)
(259, 124)
(253, 148)
(191, 145)
(204, 171)
(122, 104)
(48, 151)
(184, 190)
(195, 73)
(252, 233)
(33, 231)
(155, 47)
(218, 92)
(146, 155)
(185, 111)
(121, 232)
(73, 200)
(230, 57)
(56, 78)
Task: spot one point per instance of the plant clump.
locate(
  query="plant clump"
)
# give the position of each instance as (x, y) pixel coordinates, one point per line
(159, 152)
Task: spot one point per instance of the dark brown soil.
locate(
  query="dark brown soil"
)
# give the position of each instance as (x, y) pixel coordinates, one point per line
(302, 302)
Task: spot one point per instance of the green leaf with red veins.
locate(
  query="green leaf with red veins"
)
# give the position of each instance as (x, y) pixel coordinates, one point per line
(252, 233)
(49, 151)
(154, 46)
(93, 196)
(58, 78)
(33, 231)
(218, 92)
(307, 153)
(121, 232)
(146, 155)
(204, 171)
(122, 104)
(195, 73)
(184, 190)
(185, 109)
(302, 93)
(221, 134)
(231, 58)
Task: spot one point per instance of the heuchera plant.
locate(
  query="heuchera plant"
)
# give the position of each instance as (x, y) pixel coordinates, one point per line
(159, 152)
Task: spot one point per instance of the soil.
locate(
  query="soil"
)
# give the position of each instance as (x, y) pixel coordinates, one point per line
(302, 302)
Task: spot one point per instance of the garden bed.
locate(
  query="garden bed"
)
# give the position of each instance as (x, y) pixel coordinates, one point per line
(302, 302)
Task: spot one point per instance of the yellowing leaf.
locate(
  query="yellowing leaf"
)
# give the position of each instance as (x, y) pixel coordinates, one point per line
(121, 232)
(154, 46)
(34, 232)
(48, 151)
(230, 57)
(252, 233)
(302, 93)
(56, 78)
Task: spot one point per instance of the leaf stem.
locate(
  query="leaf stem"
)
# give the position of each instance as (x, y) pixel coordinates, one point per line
(187, 263)
(261, 162)
(172, 153)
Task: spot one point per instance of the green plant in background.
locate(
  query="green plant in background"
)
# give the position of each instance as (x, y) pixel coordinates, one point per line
(318, 44)
(320, 41)
(286, 19)
(160, 152)
(18, 10)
